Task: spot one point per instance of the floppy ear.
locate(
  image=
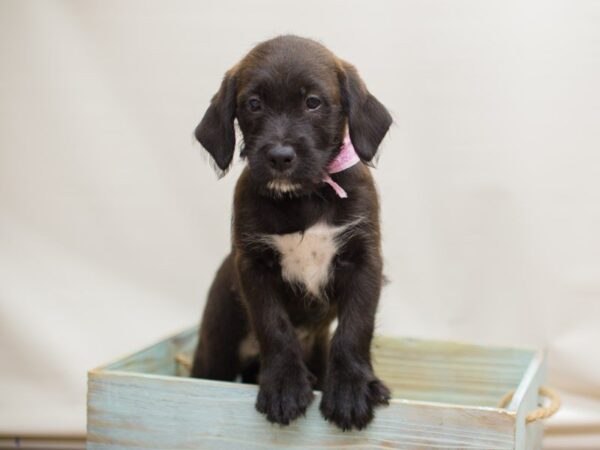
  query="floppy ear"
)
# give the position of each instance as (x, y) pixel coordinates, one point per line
(368, 120)
(215, 131)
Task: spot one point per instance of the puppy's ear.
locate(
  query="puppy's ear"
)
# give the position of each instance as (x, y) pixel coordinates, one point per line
(368, 119)
(216, 131)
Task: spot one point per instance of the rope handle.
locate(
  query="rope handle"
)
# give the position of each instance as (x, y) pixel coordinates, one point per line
(185, 362)
(541, 413)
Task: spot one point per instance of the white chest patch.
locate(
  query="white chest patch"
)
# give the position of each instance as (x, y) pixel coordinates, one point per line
(306, 257)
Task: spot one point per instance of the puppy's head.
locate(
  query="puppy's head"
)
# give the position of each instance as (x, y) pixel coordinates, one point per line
(293, 100)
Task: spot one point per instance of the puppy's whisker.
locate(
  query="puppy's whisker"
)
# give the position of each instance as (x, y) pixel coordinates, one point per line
(280, 188)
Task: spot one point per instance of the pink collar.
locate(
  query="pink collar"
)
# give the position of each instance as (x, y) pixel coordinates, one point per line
(345, 159)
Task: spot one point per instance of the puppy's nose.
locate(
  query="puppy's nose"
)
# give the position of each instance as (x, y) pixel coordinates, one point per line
(281, 157)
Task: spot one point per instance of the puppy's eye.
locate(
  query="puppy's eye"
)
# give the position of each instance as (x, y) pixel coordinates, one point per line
(254, 104)
(313, 102)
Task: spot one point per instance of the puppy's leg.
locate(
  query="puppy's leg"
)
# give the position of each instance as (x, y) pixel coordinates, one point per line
(285, 384)
(224, 324)
(351, 390)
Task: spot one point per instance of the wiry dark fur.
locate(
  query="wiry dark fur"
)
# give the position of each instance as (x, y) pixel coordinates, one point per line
(249, 294)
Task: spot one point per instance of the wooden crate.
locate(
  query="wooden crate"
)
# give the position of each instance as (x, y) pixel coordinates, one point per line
(445, 396)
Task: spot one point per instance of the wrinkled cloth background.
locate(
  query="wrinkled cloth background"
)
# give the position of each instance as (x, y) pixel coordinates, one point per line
(112, 222)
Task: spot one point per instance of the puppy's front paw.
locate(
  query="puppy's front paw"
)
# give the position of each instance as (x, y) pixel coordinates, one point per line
(284, 394)
(348, 401)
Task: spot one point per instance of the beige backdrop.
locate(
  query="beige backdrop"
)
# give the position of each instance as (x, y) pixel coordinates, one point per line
(112, 222)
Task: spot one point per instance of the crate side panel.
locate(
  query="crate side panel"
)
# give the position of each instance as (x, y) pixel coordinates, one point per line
(435, 371)
(159, 358)
(449, 372)
(529, 436)
(129, 411)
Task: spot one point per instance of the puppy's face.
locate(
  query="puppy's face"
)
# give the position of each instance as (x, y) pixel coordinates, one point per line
(290, 113)
(293, 99)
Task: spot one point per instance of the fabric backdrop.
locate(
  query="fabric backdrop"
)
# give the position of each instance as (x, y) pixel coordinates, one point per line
(112, 222)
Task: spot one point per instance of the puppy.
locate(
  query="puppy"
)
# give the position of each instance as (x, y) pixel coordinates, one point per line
(305, 234)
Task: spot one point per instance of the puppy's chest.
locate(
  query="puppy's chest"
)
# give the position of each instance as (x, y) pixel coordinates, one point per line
(306, 259)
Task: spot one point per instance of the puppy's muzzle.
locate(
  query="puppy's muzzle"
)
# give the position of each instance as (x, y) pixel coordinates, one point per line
(281, 158)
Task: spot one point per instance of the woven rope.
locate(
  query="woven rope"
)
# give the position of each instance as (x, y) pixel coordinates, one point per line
(543, 412)
(184, 361)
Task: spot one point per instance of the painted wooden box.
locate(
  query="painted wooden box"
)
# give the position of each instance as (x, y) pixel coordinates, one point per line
(445, 396)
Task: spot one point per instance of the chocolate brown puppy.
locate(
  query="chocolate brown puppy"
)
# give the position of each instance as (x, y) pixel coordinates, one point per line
(305, 235)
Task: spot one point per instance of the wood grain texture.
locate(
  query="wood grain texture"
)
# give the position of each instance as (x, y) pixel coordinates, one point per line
(525, 400)
(449, 372)
(132, 411)
(444, 398)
